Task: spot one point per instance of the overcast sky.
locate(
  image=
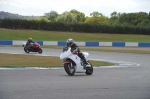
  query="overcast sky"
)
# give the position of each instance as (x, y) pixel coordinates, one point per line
(106, 7)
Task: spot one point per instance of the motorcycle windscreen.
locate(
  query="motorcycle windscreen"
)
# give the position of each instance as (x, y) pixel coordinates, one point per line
(85, 54)
(65, 54)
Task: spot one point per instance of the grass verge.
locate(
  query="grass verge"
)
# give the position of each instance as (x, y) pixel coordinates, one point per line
(18, 34)
(16, 60)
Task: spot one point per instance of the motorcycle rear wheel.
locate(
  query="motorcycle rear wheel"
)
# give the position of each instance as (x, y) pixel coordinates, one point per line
(26, 50)
(70, 69)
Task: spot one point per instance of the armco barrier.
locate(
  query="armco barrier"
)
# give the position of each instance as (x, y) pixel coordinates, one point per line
(63, 43)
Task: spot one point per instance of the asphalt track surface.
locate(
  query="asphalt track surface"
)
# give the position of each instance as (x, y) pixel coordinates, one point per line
(127, 82)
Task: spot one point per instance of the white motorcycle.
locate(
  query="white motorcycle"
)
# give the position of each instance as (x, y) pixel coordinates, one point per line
(74, 64)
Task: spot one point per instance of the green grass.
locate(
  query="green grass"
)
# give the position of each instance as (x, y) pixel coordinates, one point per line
(14, 34)
(16, 60)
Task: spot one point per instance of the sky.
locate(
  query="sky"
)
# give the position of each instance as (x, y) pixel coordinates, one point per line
(106, 7)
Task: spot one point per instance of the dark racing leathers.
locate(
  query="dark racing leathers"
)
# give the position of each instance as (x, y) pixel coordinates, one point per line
(28, 44)
(80, 54)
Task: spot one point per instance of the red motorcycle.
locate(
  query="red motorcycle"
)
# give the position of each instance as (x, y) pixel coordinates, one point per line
(34, 47)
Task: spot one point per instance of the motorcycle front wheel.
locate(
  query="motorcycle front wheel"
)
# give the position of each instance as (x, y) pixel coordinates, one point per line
(40, 51)
(70, 69)
(89, 70)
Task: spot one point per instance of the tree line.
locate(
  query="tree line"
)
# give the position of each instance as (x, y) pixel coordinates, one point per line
(7, 15)
(76, 21)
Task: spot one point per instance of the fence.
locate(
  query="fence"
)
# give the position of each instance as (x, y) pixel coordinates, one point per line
(94, 44)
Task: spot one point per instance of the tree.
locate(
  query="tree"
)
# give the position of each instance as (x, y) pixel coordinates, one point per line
(96, 14)
(139, 17)
(52, 15)
(67, 17)
(145, 22)
(80, 17)
(114, 15)
(113, 18)
(43, 19)
(132, 18)
(96, 18)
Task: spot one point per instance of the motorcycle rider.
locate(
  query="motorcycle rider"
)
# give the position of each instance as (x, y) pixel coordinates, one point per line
(28, 43)
(74, 46)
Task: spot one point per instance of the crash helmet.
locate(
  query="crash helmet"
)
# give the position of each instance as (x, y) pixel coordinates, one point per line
(30, 39)
(69, 42)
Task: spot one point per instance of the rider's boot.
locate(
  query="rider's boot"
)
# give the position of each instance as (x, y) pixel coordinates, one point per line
(29, 48)
(84, 63)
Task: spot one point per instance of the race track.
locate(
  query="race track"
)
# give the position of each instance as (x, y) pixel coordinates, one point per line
(127, 82)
